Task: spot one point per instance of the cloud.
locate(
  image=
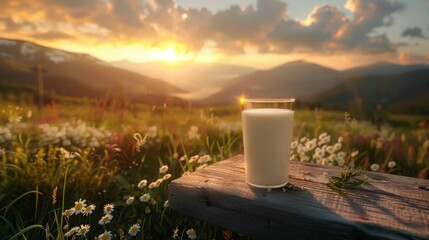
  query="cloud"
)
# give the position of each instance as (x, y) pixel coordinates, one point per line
(316, 33)
(265, 26)
(412, 57)
(413, 32)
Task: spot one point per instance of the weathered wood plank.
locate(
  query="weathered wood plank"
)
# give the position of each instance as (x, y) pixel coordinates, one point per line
(387, 207)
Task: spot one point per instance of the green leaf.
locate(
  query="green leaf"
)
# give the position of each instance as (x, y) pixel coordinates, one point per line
(348, 178)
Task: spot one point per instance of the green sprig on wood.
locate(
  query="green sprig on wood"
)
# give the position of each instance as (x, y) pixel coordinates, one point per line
(346, 179)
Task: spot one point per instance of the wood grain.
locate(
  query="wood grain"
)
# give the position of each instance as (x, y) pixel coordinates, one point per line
(387, 207)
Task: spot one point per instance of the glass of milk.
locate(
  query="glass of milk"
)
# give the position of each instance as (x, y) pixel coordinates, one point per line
(267, 135)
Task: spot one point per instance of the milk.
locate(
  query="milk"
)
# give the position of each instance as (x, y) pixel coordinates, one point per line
(267, 134)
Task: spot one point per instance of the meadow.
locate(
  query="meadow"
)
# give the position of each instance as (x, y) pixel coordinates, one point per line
(101, 168)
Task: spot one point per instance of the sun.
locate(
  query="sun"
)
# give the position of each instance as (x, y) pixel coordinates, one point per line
(172, 55)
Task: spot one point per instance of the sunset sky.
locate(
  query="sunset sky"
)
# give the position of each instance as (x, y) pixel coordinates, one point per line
(261, 34)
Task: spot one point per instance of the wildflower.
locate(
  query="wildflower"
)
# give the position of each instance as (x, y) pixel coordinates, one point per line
(83, 230)
(323, 135)
(324, 161)
(152, 201)
(88, 210)
(354, 154)
(204, 159)
(108, 209)
(142, 184)
(152, 132)
(191, 233)
(341, 161)
(159, 181)
(139, 141)
(176, 232)
(332, 157)
(319, 153)
(107, 235)
(193, 133)
(130, 200)
(147, 210)
(145, 197)
(300, 149)
(310, 145)
(13, 114)
(152, 185)
(134, 229)
(71, 232)
(65, 153)
(337, 146)
(340, 139)
(341, 154)
(330, 149)
(6, 134)
(375, 167)
(325, 140)
(182, 158)
(294, 144)
(303, 139)
(69, 212)
(193, 159)
(166, 176)
(105, 219)
(79, 206)
(293, 157)
(163, 169)
(166, 204)
(391, 164)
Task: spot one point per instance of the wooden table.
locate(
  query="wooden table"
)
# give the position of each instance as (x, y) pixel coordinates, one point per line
(387, 207)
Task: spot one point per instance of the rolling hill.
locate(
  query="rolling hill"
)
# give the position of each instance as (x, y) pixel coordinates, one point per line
(72, 74)
(383, 68)
(299, 79)
(405, 92)
(399, 88)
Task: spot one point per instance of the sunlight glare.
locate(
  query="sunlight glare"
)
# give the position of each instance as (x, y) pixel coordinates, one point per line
(173, 54)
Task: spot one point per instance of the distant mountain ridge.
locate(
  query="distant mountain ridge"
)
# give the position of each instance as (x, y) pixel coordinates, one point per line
(400, 88)
(72, 74)
(298, 79)
(406, 92)
(384, 68)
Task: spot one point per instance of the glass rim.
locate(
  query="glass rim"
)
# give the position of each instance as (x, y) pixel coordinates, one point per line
(270, 100)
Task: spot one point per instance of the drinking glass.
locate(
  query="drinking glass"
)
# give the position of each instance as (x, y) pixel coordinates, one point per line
(267, 136)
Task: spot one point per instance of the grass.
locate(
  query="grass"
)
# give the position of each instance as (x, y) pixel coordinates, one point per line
(86, 152)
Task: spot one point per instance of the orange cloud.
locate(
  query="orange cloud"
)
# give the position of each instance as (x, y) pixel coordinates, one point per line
(266, 27)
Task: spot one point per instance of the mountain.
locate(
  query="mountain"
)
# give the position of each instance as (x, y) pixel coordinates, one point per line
(201, 79)
(383, 68)
(299, 79)
(405, 92)
(72, 74)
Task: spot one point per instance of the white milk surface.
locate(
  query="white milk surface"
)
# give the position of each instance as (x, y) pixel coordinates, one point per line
(267, 135)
